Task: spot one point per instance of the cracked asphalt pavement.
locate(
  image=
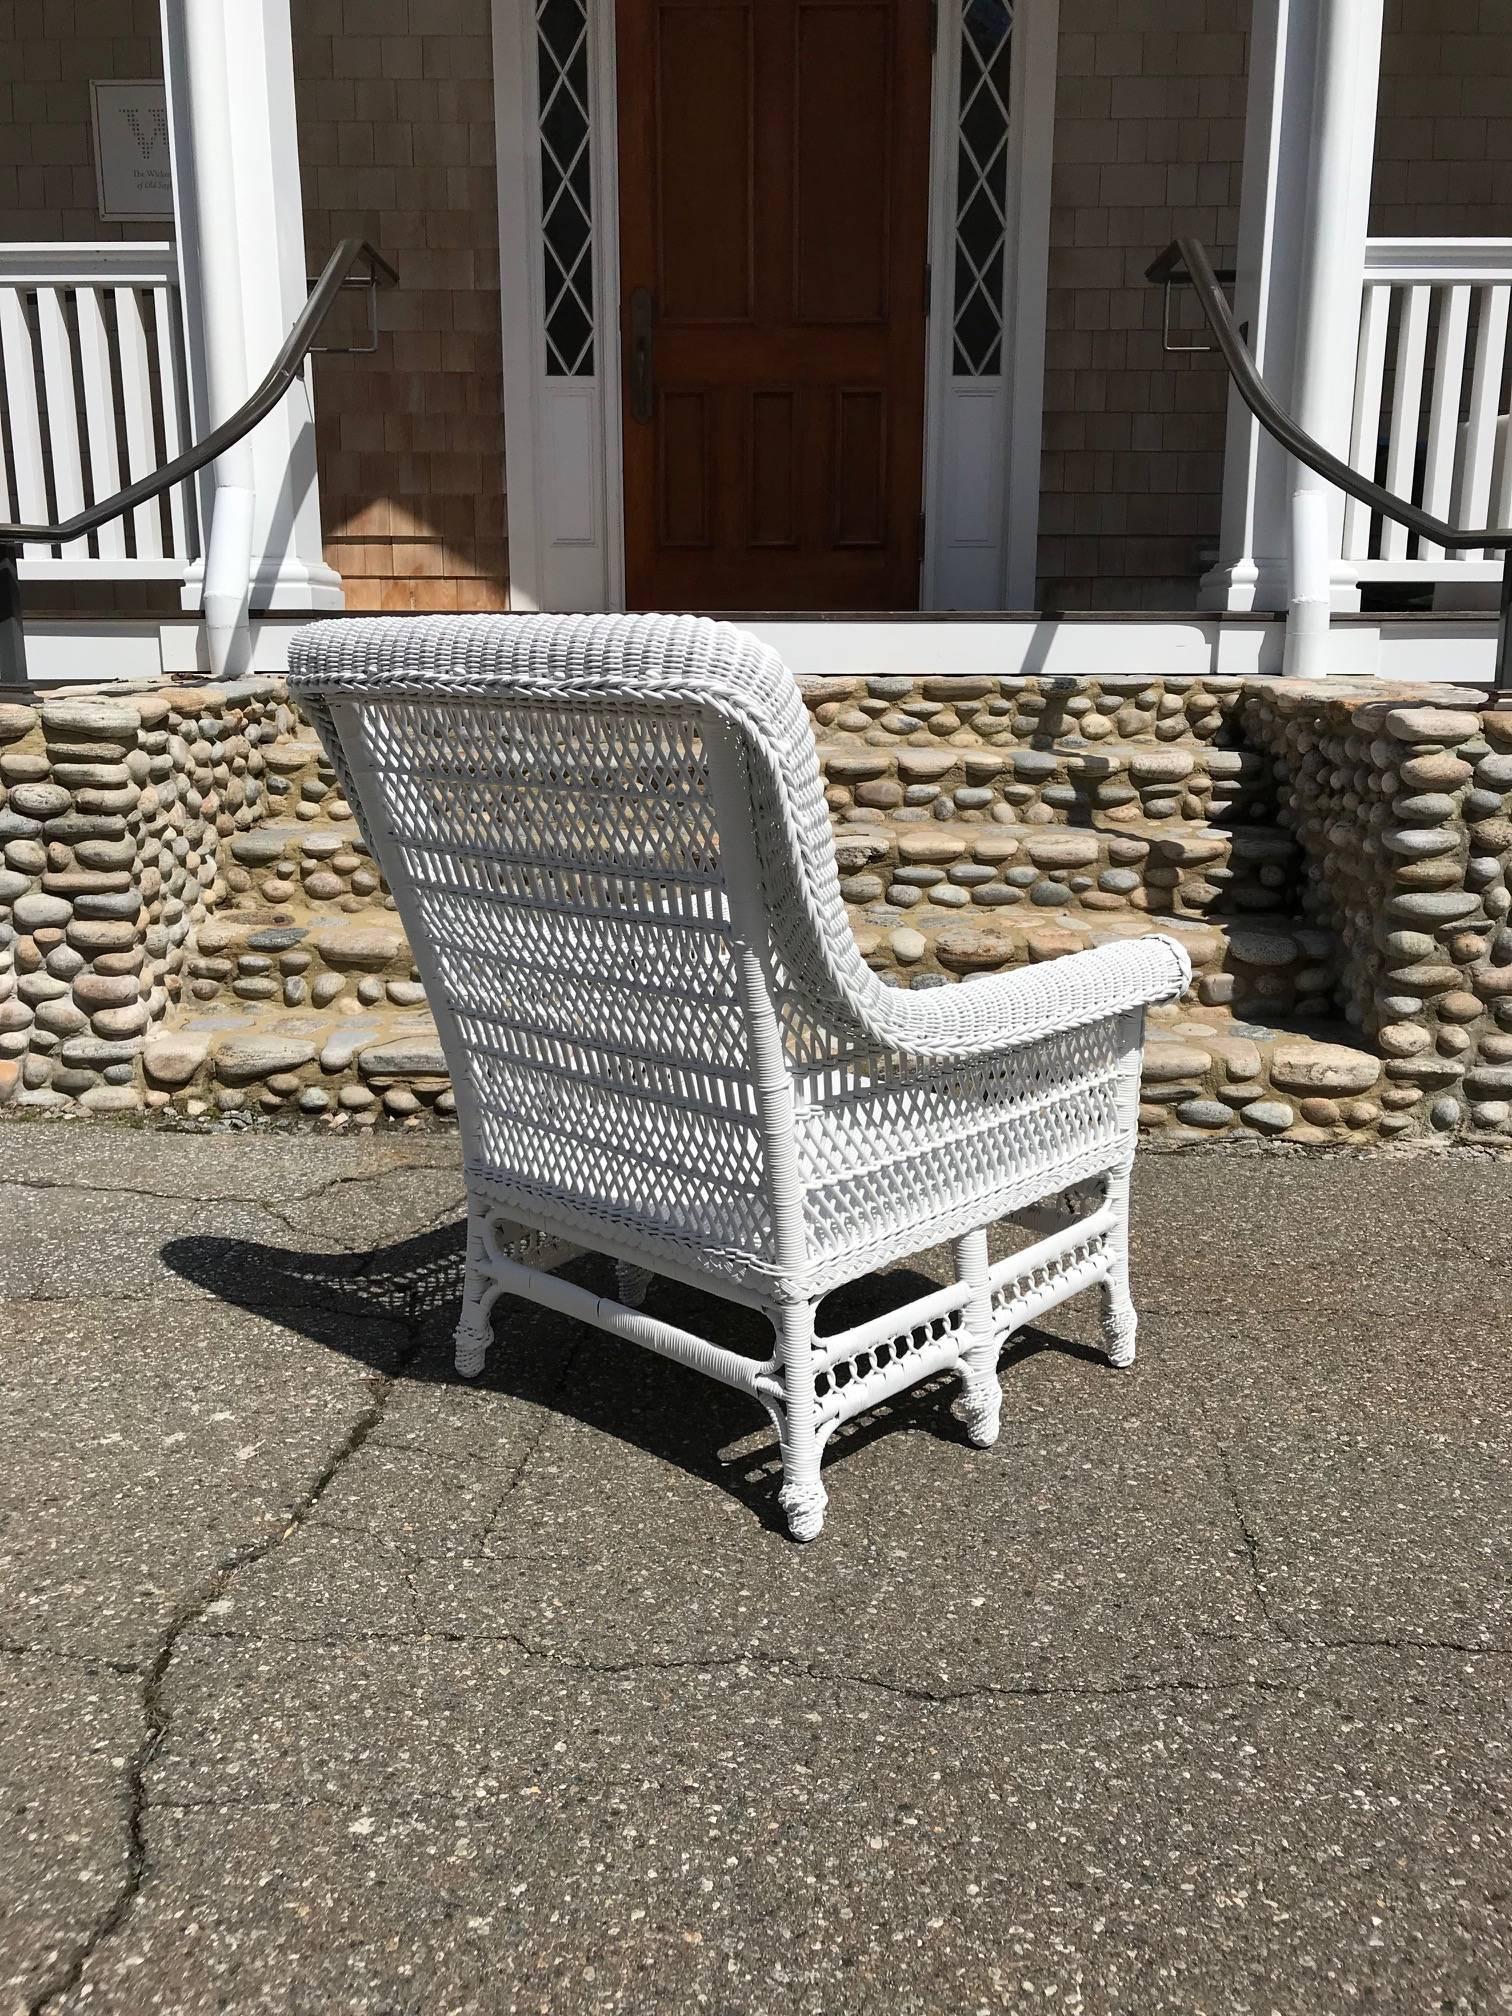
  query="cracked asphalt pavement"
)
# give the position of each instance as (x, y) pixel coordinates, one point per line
(332, 1683)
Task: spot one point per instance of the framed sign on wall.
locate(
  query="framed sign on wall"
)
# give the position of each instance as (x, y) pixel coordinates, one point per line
(133, 168)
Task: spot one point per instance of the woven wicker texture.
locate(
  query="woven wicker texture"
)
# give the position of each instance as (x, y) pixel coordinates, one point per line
(608, 841)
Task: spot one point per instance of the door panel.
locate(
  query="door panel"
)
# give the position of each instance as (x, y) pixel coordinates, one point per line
(773, 519)
(702, 95)
(860, 483)
(773, 201)
(841, 85)
(684, 469)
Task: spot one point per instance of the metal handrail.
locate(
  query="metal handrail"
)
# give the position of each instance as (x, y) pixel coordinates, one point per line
(338, 272)
(1185, 262)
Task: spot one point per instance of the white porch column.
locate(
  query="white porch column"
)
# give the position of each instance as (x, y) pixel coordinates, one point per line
(229, 68)
(1304, 214)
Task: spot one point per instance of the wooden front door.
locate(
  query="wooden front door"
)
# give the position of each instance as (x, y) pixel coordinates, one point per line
(773, 173)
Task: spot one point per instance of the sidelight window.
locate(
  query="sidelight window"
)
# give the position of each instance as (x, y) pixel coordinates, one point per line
(981, 218)
(566, 186)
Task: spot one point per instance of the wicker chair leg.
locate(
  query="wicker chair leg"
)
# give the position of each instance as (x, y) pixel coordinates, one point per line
(475, 1329)
(802, 1497)
(1119, 1321)
(632, 1283)
(981, 1394)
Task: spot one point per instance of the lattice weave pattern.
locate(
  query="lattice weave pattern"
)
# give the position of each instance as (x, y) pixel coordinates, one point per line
(607, 837)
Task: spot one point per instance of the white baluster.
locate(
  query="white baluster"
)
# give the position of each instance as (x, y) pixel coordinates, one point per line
(99, 414)
(1473, 504)
(1444, 408)
(1364, 438)
(1406, 411)
(136, 411)
(62, 413)
(169, 387)
(28, 476)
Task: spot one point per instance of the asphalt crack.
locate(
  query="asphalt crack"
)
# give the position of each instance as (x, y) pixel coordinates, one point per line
(276, 1209)
(1302, 1641)
(531, 1450)
(91, 1662)
(156, 1717)
(1252, 1549)
(757, 1664)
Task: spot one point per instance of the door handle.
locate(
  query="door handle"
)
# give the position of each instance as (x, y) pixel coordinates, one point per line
(642, 321)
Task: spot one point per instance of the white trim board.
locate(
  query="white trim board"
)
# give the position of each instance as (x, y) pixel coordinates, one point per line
(64, 650)
(1456, 649)
(852, 647)
(1447, 650)
(82, 650)
(42, 566)
(564, 470)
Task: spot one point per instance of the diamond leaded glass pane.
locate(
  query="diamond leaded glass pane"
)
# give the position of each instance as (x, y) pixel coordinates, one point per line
(981, 221)
(566, 186)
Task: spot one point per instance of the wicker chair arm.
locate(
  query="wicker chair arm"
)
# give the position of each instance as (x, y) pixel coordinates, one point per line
(1012, 1009)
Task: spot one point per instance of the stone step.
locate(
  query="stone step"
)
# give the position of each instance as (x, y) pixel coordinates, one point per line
(276, 1062)
(1260, 967)
(338, 963)
(1254, 1048)
(319, 864)
(1253, 1052)
(1178, 867)
(1127, 706)
(1208, 1074)
(1047, 780)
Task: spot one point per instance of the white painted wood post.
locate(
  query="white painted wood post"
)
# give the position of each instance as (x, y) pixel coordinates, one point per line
(230, 74)
(1347, 70)
(206, 178)
(1251, 570)
(1309, 149)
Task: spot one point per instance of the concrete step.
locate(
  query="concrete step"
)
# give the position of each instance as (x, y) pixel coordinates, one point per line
(1182, 868)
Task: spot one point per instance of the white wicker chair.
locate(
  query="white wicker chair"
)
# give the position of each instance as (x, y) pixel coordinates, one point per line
(608, 841)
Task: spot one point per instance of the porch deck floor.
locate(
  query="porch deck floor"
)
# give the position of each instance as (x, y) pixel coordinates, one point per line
(335, 1683)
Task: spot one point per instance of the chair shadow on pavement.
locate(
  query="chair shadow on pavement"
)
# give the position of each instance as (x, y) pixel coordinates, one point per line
(371, 1306)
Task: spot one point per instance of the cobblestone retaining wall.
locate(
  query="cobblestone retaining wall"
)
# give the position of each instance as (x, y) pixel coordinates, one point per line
(114, 808)
(1402, 816)
(190, 920)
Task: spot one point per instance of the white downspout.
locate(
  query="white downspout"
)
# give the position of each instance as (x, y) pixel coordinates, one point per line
(228, 547)
(1309, 598)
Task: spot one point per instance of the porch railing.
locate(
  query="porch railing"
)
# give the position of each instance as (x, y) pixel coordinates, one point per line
(1431, 403)
(1185, 262)
(92, 398)
(352, 262)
